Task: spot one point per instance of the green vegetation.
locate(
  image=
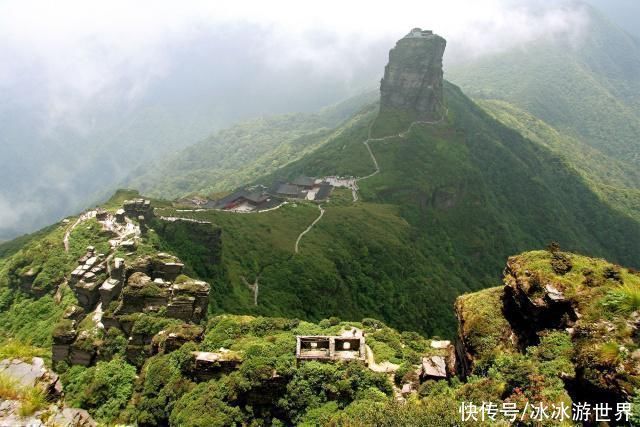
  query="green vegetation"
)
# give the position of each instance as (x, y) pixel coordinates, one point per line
(33, 292)
(452, 201)
(32, 399)
(268, 387)
(14, 349)
(586, 88)
(104, 389)
(623, 300)
(613, 180)
(358, 261)
(602, 339)
(484, 326)
(245, 151)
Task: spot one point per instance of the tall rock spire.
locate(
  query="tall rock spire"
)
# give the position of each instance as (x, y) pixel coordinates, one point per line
(413, 77)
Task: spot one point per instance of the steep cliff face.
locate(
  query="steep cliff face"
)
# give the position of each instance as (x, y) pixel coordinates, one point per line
(413, 77)
(556, 302)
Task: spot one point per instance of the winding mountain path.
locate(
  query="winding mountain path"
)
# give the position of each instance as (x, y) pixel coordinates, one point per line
(84, 217)
(385, 367)
(384, 138)
(354, 188)
(309, 228)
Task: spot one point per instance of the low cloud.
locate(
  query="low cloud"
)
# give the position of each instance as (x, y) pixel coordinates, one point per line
(81, 82)
(77, 51)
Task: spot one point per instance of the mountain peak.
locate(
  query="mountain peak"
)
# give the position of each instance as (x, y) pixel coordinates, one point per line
(413, 77)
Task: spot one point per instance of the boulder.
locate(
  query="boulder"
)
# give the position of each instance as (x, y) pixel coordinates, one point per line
(138, 207)
(533, 303)
(31, 374)
(208, 364)
(120, 216)
(197, 289)
(433, 367)
(117, 271)
(129, 245)
(81, 356)
(87, 293)
(181, 308)
(74, 313)
(27, 279)
(109, 291)
(73, 417)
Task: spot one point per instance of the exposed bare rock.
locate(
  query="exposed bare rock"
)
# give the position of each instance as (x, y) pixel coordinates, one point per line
(433, 367)
(207, 364)
(172, 339)
(109, 291)
(87, 293)
(31, 374)
(440, 344)
(482, 328)
(73, 417)
(533, 303)
(35, 374)
(138, 207)
(413, 77)
(74, 312)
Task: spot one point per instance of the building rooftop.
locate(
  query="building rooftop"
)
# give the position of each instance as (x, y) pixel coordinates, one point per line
(323, 191)
(418, 33)
(288, 190)
(304, 181)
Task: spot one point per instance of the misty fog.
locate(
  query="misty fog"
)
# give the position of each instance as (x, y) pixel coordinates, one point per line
(91, 92)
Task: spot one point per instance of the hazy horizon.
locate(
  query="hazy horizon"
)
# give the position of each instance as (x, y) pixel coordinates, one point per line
(93, 91)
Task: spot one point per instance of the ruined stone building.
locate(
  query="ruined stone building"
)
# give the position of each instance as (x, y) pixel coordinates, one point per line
(348, 346)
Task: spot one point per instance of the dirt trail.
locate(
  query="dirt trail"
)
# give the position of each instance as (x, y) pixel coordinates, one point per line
(84, 217)
(309, 228)
(386, 367)
(384, 138)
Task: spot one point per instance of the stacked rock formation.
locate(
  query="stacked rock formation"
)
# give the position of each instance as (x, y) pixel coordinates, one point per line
(413, 77)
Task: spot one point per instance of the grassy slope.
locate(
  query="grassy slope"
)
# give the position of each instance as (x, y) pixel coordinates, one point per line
(452, 201)
(613, 180)
(483, 186)
(244, 152)
(357, 262)
(587, 88)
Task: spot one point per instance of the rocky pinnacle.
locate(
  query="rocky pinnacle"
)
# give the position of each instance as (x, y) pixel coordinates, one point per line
(413, 77)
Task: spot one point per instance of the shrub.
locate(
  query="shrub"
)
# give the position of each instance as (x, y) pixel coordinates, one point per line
(14, 349)
(560, 263)
(610, 353)
(104, 389)
(32, 400)
(114, 344)
(199, 408)
(623, 300)
(9, 389)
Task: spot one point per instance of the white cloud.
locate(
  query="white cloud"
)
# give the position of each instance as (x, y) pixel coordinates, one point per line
(67, 64)
(80, 49)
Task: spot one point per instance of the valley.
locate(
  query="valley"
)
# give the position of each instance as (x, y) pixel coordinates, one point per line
(388, 260)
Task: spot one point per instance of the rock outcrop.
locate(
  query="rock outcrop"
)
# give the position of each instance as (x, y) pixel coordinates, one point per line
(413, 77)
(533, 303)
(589, 301)
(138, 295)
(23, 375)
(204, 237)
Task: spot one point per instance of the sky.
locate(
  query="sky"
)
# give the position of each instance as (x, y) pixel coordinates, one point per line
(78, 50)
(80, 80)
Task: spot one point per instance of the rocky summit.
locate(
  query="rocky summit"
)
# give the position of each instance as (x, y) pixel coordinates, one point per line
(413, 77)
